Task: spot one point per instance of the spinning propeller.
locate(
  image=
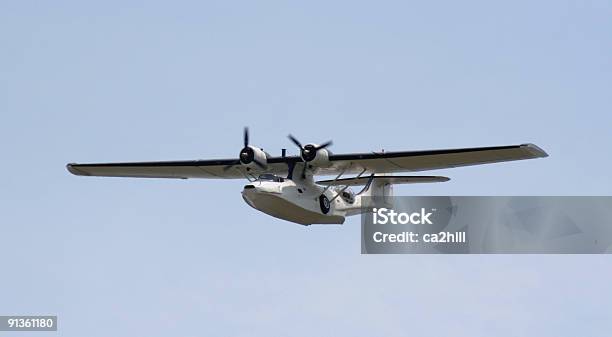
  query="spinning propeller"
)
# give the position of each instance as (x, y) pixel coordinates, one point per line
(308, 152)
(247, 154)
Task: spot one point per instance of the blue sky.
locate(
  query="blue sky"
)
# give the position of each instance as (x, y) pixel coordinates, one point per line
(83, 82)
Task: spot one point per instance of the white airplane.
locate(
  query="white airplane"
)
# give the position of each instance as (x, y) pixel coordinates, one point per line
(284, 187)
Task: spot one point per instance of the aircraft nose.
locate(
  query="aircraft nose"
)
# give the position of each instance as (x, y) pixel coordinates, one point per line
(252, 189)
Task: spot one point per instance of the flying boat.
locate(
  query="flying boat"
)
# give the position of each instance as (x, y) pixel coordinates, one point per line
(286, 187)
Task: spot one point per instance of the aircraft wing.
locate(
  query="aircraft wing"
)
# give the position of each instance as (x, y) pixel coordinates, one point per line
(212, 169)
(414, 161)
(373, 162)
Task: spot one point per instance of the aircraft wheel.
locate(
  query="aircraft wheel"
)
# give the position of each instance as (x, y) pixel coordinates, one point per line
(324, 203)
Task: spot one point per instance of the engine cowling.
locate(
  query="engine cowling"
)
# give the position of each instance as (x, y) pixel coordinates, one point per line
(253, 157)
(314, 157)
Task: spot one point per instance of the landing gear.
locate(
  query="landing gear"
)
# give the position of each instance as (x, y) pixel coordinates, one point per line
(324, 203)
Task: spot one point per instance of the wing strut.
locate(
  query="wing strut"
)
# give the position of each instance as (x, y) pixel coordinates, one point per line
(367, 185)
(345, 187)
(337, 177)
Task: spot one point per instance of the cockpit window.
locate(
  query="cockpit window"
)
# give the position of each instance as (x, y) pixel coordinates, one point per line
(271, 177)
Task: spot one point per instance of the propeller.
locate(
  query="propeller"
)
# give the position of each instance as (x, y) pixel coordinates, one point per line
(246, 136)
(308, 152)
(247, 154)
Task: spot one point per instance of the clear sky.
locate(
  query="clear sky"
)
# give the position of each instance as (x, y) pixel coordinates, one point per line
(83, 82)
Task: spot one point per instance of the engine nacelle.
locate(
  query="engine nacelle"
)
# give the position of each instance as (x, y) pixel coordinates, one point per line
(315, 157)
(253, 158)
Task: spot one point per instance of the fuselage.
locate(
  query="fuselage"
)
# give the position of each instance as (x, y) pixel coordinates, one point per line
(302, 202)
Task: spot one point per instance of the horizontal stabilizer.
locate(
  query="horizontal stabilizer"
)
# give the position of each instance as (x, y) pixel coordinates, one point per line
(387, 179)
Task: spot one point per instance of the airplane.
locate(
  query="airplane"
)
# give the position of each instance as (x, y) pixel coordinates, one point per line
(284, 187)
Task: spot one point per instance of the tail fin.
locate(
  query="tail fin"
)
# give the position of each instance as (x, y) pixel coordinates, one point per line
(377, 186)
(380, 191)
